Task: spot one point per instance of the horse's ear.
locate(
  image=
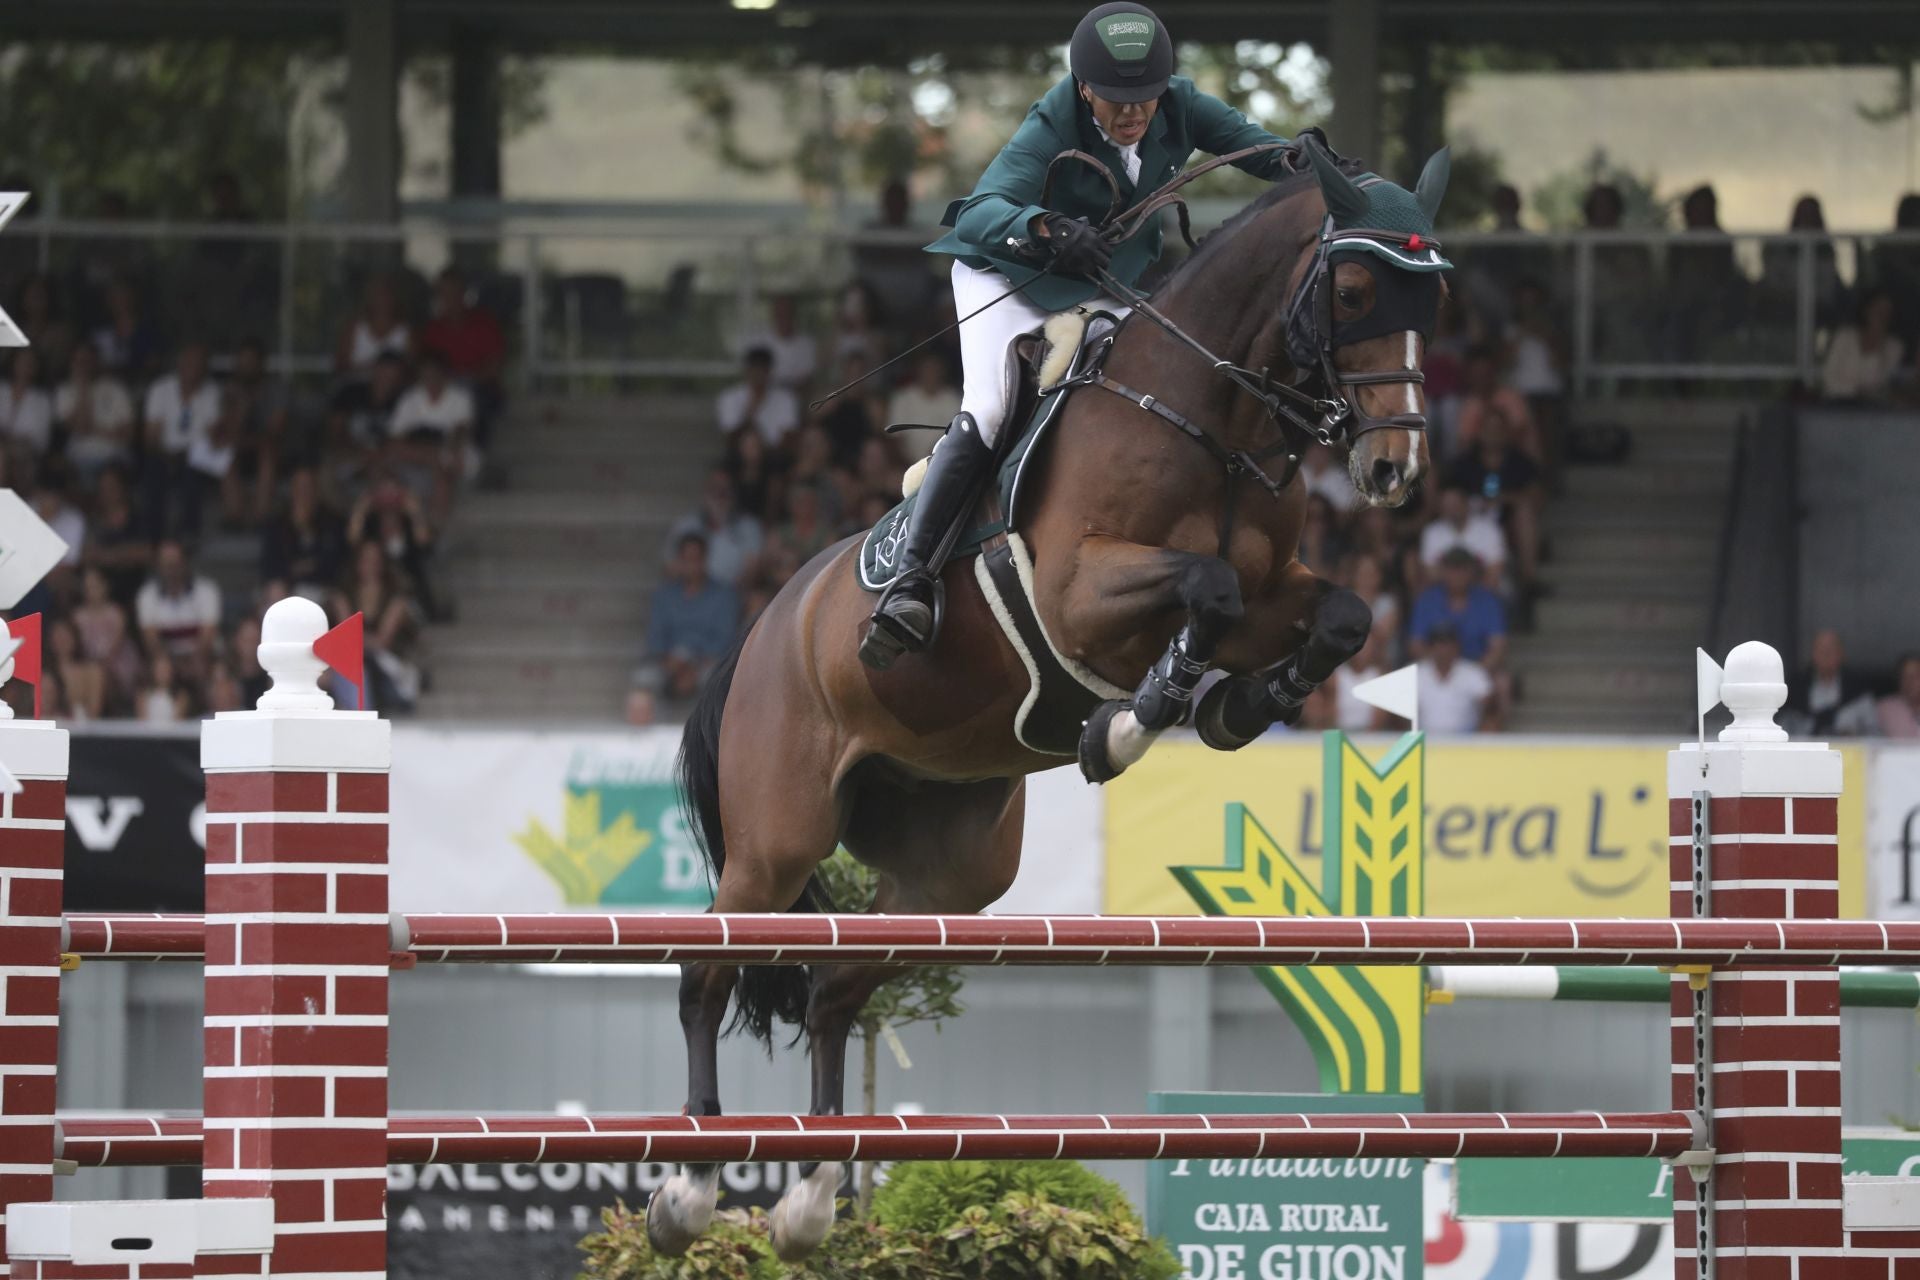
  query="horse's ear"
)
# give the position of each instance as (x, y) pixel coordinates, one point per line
(1345, 201)
(1432, 187)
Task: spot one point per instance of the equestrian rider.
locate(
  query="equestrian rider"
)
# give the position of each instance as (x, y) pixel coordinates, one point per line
(1121, 103)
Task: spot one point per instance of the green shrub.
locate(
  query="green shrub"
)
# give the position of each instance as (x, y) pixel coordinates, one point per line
(934, 1195)
(968, 1220)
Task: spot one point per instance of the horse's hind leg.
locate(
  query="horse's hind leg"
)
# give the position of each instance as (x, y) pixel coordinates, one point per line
(945, 849)
(1239, 709)
(1207, 590)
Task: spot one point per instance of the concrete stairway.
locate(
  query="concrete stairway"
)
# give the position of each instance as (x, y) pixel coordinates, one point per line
(551, 576)
(1632, 550)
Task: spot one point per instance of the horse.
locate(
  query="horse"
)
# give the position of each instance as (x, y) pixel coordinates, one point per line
(1153, 561)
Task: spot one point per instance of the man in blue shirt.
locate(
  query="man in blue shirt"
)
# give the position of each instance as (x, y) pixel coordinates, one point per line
(691, 623)
(1459, 600)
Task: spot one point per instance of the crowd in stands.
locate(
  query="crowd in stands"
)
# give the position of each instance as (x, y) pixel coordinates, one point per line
(194, 486)
(1832, 698)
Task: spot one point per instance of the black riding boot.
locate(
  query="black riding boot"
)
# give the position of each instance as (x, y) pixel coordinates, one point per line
(903, 620)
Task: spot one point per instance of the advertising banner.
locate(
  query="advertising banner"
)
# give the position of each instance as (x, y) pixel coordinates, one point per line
(1513, 827)
(1893, 833)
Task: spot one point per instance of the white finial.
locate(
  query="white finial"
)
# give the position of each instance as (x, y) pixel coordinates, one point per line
(287, 634)
(1754, 689)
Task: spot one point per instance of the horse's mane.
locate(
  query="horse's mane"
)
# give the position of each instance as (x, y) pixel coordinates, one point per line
(1211, 244)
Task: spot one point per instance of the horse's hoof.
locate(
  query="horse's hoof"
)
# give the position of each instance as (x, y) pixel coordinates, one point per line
(679, 1212)
(800, 1222)
(1095, 765)
(1211, 716)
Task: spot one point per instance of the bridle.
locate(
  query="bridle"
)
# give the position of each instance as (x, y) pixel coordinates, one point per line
(1328, 418)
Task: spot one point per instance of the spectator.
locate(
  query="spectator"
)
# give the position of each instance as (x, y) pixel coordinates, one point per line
(430, 435)
(178, 611)
(470, 338)
(805, 532)
(857, 326)
(756, 481)
(1623, 284)
(730, 539)
(127, 344)
(36, 316)
(1896, 267)
(1462, 524)
(1366, 577)
(1481, 393)
(1505, 206)
(379, 330)
(930, 400)
(360, 425)
(246, 663)
(1900, 711)
(186, 449)
(813, 465)
(54, 505)
(390, 515)
(119, 543)
(26, 410)
(642, 708)
(1321, 546)
(1495, 270)
(891, 265)
(95, 412)
(83, 677)
(162, 697)
(1456, 693)
(1503, 480)
(795, 353)
(305, 546)
(879, 470)
(259, 405)
(1830, 695)
(1459, 601)
(105, 637)
(1780, 269)
(756, 403)
(1537, 358)
(1863, 357)
(376, 588)
(223, 689)
(691, 623)
(855, 416)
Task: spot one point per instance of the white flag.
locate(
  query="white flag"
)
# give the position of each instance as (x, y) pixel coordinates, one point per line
(1397, 692)
(10, 203)
(1707, 678)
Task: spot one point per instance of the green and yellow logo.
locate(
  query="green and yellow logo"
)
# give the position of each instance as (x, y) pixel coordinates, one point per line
(623, 840)
(1363, 1022)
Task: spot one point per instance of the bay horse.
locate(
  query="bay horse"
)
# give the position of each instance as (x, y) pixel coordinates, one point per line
(1149, 556)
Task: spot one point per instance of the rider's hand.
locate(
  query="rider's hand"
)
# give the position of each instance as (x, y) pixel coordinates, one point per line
(1075, 247)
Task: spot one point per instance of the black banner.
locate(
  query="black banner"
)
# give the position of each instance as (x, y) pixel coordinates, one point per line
(135, 823)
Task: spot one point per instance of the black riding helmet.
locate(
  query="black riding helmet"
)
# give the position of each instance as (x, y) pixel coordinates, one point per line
(1122, 52)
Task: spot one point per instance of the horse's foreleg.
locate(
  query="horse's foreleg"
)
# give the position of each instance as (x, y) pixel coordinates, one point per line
(1240, 709)
(1207, 591)
(681, 1209)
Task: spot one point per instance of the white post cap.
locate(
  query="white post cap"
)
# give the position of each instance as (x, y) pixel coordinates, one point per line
(287, 634)
(1754, 688)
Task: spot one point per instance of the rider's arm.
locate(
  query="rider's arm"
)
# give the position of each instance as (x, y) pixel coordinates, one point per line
(1220, 129)
(1005, 204)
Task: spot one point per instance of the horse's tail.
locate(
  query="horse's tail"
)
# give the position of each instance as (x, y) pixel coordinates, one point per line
(764, 993)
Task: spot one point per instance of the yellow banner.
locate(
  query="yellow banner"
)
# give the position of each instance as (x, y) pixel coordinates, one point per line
(1513, 828)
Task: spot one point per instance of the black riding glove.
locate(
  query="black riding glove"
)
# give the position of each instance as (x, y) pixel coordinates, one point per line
(1075, 247)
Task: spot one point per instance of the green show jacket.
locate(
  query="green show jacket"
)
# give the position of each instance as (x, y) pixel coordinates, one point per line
(987, 225)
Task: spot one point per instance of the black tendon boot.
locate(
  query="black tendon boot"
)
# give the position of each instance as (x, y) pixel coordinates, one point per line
(903, 620)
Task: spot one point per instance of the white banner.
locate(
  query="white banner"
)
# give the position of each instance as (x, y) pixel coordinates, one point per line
(1893, 834)
(521, 821)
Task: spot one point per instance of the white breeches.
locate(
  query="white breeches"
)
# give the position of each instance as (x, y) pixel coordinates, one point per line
(985, 338)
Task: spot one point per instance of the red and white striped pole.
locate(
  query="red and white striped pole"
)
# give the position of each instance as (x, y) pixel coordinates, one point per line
(1753, 832)
(33, 832)
(296, 964)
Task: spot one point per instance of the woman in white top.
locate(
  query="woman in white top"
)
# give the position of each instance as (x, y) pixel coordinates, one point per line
(1862, 357)
(97, 413)
(26, 410)
(378, 330)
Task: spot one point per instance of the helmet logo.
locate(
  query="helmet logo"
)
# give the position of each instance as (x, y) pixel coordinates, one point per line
(1128, 36)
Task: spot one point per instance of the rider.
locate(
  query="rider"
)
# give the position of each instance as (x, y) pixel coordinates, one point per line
(1121, 103)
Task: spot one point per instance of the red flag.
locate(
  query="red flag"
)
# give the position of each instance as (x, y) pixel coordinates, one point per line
(344, 649)
(26, 661)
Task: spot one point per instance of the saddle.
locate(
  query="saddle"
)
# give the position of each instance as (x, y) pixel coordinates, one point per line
(1061, 693)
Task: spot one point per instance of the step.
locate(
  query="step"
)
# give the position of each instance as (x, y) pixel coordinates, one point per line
(679, 444)
(1535, 715)
(1639, 480)
(616, 549)
(1648, 513)
(1678, 413)
(639, 475)
(546, 677)
(1653, 551)
(1565, 615)
(1577, 579)
(593, 605)
(490, 644)
(1596, 682)
(523, 712)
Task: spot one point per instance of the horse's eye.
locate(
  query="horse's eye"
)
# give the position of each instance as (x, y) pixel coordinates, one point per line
(1349, 297)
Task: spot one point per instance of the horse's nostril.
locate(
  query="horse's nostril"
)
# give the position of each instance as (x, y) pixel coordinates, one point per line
(1386, 475)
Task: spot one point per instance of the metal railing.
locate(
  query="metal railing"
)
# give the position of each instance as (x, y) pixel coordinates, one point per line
(658, 299)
